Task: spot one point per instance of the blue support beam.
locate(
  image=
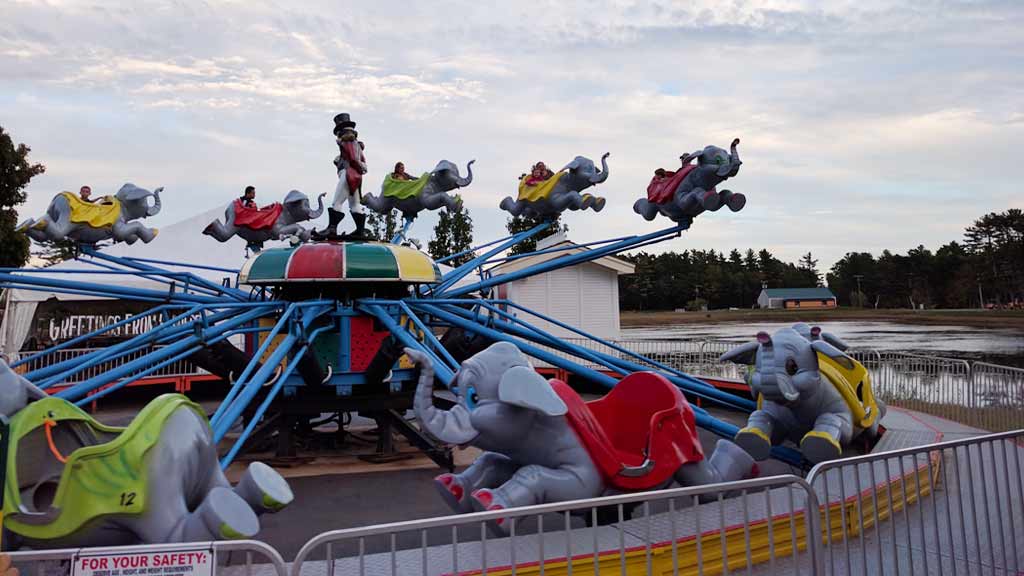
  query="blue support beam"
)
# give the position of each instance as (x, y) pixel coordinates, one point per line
(233, 293)
(169, 329)
(274, 391)
(93, 334)
(462, 271)
(245, 388)
(445, 290)
(408, 340)
(111, 291)
(688, 383)
(82, 388)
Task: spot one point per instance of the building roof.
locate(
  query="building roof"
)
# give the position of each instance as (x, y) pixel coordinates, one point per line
(559, 240)
(820, 293)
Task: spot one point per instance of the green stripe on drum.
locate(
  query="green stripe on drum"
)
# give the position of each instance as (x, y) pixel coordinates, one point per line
(370, 261)
(270, 264)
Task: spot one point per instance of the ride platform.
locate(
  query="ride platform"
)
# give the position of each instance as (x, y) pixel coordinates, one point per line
(759, 528)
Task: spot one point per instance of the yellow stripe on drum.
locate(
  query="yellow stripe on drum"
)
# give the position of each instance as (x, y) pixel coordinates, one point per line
(243, 274)
(413, 265)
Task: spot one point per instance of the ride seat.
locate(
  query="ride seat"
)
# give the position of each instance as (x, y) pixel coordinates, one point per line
(639, 434)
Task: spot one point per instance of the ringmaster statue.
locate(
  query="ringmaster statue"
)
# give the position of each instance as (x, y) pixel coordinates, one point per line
(351, 165)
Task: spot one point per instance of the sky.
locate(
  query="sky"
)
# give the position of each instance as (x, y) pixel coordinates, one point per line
(864, 125)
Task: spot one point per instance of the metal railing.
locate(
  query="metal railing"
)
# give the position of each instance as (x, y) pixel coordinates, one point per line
(968, 518)
(179, 368)
(980, 395)
(231, 558)
(709, 529)
(953, 507)
(999, 391)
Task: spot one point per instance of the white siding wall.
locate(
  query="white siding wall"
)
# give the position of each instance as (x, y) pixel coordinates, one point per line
(584, 296)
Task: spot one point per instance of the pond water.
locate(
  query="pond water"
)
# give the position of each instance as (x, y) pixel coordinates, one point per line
(997, 345)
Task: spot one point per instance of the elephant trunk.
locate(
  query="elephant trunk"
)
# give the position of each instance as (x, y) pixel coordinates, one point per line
(155, 208)
(463, 182)
(785, 386)
(449, 426)
(319, 208)
(734, 159)
(603, 174)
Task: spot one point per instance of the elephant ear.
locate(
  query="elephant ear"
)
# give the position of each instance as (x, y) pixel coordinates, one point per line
(834, 353)
(745, 354)
(575, 164)
(294, 196)
(522, 386)
(132, 193)
(829, 337)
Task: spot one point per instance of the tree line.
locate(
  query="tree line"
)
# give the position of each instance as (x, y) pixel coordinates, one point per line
(986, 269)
(697, 279)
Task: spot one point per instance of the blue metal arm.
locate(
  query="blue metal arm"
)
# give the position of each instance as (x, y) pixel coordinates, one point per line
(274, 391)
(441, 369)
(83, 388)
(446, 291)
(461, 272)
(308, 313)
(93, 334)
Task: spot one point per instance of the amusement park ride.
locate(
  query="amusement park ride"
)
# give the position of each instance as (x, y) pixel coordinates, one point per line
(344, 324)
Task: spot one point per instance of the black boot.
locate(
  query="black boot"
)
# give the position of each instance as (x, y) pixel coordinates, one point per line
(360, 220)
(334, 218)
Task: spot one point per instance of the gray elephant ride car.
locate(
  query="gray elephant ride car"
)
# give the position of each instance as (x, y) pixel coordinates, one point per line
(542, 443)
(108, 218)
(274, 222)
(560, 192)
(71, 481)
(689, 191)
(428, 192)
(809, 392)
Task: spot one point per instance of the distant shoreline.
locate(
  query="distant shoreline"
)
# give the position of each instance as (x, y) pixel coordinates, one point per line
(974, 318)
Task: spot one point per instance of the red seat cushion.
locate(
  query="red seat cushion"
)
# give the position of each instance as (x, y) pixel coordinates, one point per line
(256, 218)
(644, 416)
(660, 190)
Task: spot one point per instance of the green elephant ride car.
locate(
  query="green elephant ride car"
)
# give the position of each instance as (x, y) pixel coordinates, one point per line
(57, 483)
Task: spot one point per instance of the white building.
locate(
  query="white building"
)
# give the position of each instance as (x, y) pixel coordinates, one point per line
(585, 296)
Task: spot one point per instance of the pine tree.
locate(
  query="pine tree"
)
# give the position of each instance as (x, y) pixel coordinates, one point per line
(15, 174)
(517, 224)
(382, 227)
(452, 234)
(809, 266)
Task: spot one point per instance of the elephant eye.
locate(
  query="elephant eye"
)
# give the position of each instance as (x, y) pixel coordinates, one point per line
(791, 367)
(471, 398)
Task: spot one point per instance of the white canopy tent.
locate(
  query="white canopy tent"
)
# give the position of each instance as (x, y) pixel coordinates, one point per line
(182, 242)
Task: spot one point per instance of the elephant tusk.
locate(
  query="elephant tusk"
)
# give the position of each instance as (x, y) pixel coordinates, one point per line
(637, 471)
(231, 377)
(330, 372)
(277, 374)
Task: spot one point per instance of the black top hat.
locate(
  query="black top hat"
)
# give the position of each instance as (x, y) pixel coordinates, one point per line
(342, 121)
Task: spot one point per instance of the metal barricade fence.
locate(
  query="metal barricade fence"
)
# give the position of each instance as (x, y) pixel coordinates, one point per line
(179, 368)
(930, 384)
(757, 524)
(230, 558)
(954, 507)
(1000, 394)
